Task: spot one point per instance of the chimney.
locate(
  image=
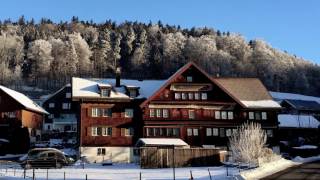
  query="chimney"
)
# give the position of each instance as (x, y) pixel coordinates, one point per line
(118, 76)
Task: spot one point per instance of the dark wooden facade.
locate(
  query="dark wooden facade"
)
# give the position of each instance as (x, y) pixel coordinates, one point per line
(191, 114)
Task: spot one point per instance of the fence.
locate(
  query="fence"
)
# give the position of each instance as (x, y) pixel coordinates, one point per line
(152, 157)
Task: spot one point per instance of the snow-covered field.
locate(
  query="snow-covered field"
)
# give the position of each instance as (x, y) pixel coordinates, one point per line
(119, 172)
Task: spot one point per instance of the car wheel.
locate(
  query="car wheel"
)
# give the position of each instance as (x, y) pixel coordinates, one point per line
(27, 166)
(58, 165)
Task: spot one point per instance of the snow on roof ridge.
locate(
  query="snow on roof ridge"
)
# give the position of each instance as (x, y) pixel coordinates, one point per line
(23, 100)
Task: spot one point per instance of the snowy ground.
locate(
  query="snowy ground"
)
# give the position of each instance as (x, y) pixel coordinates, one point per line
(118, 172)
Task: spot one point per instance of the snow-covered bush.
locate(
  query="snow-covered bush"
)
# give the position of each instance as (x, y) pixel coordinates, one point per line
(247, 144)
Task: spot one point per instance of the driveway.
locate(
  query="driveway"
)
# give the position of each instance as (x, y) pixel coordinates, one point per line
(304, 171)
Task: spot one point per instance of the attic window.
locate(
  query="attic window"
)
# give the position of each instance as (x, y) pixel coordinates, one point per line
(189, 79)
(105, 92)
(133, 93)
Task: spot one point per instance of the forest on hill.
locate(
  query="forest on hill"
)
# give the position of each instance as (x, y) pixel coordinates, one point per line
(48, 54)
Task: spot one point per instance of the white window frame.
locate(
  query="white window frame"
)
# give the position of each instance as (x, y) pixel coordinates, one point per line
(94, 112)
(94, 131)
(217, 115)
(191, 114)
(51, 105)
(104, 92)
(264, 116)
(105, 112)
(165, 113)
(101, 151)
(151, 113)
(68, 95)
(158, 113)
(209, 132)
(204, 96)
(197, 96)
(66, 106)
(189, 132)
(228, 132)
(184, 96)
(224, 115)
(189, 79)
(128, 131)
(251, 115)
(190, 96)
(177, 95)
(106, 132)
(128, 113)
(230, 115)
(215, 132)
(195, 132)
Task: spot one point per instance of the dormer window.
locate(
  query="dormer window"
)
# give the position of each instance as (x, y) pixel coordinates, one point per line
(105, 92)
(189, 79)
(133, 93)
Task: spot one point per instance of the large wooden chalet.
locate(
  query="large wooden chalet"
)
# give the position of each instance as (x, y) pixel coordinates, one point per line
(202, 110)
(190, 105)
(20, 120)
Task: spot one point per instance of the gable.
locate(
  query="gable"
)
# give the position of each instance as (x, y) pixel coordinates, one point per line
(179, 82)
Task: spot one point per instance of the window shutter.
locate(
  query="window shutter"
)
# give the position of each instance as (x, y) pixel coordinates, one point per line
(123, 131)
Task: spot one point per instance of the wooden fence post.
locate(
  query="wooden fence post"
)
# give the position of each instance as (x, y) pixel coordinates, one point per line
(191, 177)
(33, 175)
(86, 177)
(64, 175)
(140, 176)
(47, 174)
(24, 173)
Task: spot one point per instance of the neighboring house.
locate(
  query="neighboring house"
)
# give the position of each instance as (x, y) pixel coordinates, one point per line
(205, 111)
(19, 117)
(304, 107)
(110, 116)
(62, 109)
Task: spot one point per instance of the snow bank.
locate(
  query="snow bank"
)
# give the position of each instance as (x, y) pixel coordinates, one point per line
(299, 159)
(306, 147)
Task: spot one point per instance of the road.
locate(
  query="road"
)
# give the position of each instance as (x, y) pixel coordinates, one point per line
(304, 171)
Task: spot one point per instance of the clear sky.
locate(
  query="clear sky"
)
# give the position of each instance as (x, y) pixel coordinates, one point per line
(291, 25)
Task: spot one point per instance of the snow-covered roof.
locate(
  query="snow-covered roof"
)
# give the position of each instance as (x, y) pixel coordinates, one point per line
(46, 97)
(82, 87)
(298, 121)
(161, 142)
(282, 96)
(261, 104)
(23, 100)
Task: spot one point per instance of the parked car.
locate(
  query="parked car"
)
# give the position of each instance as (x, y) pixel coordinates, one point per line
(45, 158)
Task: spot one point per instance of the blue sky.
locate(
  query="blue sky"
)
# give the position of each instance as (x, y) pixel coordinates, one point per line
(291, 25)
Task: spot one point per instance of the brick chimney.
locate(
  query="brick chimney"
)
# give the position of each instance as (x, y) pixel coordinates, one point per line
(118, 76)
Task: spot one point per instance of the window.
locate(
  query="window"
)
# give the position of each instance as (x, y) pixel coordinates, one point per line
(258, 116)
(68, 95)
(228, 132)
(151, 112)
(223, 115)
(106, 112)
(184, 96)
(158, 112)
(51, 116)
(251, 115)
(128, 132)
(104, 92)
(189, 132)
(264, 115)
(12, 114)
(230, 115)
(169, 132)
(133, 93)
(195, 132)
(215, 131)
(190, 96)
(191, 114)
(51, 105)
(189, 78)
(128, 113)
(204, 96)
(209, 132)
(270, 133)
(94, 131)
(222, 132)
(101, 151)
(165, 113)
(66, 105)
(94, 112)
(177, 95)
(107, 131)
(196, 96)
(176, 131)
(217, 114)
